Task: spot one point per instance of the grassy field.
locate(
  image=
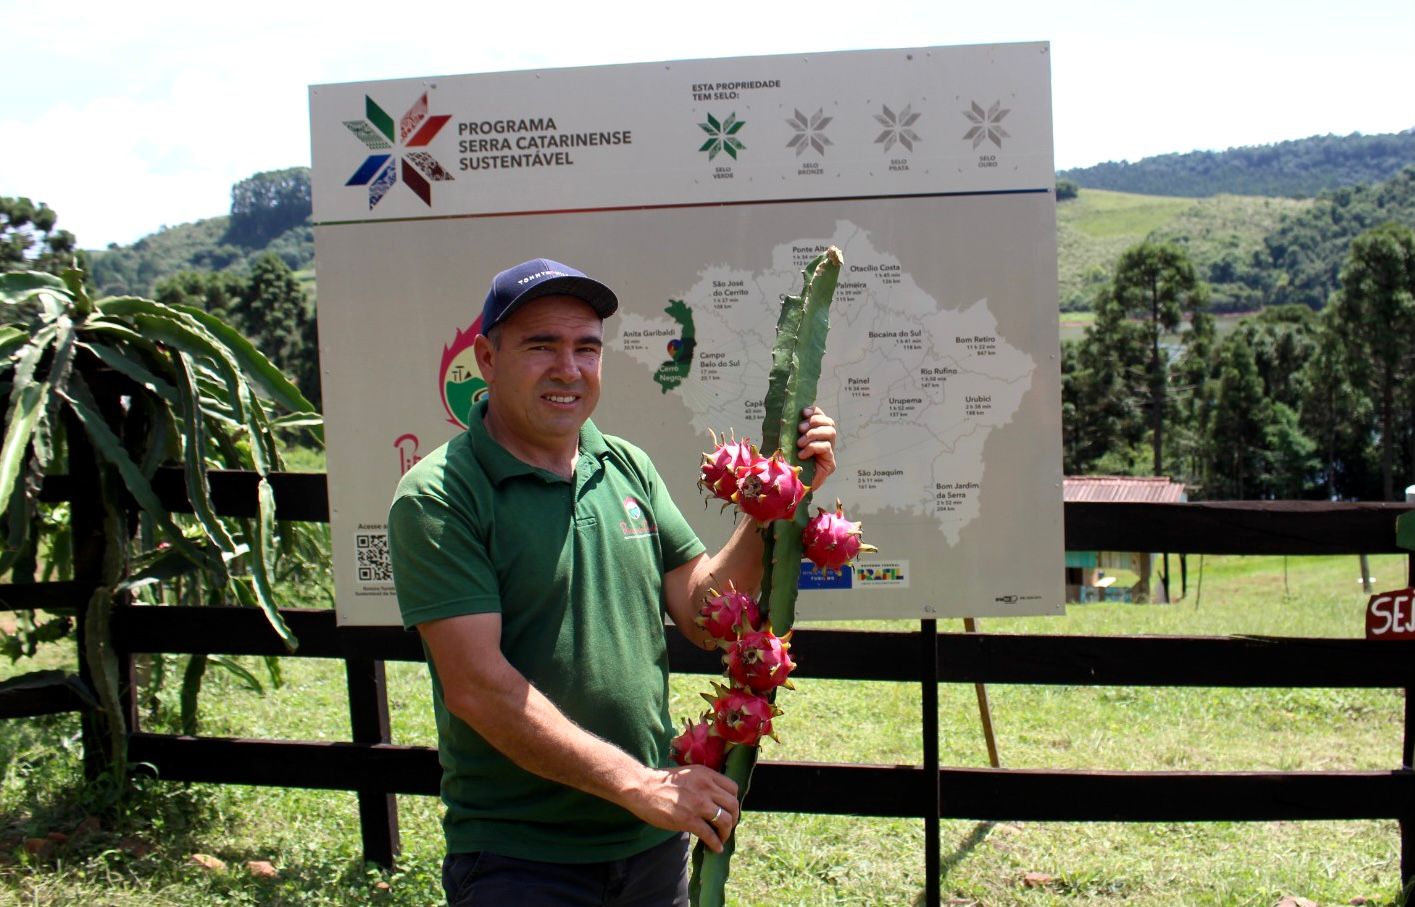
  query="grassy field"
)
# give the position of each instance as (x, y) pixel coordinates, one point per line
(143, 856)
(1095, 227)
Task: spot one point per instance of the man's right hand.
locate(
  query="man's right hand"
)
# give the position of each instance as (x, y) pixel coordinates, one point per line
(691, 798)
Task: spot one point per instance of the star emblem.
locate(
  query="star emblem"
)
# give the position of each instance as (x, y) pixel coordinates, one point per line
(722, 136)
(414, 131)
(897, 127)
(985, 124)
(810, 133)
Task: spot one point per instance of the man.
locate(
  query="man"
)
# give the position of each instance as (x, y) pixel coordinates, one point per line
(537, 557)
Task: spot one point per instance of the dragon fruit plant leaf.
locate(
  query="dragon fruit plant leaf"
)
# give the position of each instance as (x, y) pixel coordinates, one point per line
(810, 350)
(253, 363)
(785, 571)
(795, 373)
(110, 448)
(783, 352)
(198, 488)
(799, 381)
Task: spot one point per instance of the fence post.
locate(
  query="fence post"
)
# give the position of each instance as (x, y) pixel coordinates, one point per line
(928, 675)
(87, 541)
(1407, 756)
(368, 720)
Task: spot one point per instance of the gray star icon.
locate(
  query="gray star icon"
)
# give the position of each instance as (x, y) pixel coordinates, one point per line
(985, 124)
(810, 133)
(896, 127)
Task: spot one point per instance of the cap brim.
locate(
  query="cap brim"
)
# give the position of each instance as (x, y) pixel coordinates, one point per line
(590, 291)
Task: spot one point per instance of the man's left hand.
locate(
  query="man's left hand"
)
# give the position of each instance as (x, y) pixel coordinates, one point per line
(817, 442)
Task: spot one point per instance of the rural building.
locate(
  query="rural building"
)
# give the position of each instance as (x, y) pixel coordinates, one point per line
(1092, 575)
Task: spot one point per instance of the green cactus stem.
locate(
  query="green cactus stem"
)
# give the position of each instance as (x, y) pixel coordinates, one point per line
(795, 373)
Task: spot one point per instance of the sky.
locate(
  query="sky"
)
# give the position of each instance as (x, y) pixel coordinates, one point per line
(126, 117)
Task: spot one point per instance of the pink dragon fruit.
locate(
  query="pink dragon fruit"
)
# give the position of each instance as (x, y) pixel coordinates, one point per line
(759, 661)
(725, 615)
(769, 489)
(831, 541)
(698, 745)
(741, 716)
(719, 470)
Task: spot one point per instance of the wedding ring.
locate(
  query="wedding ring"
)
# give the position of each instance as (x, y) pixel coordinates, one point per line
(715, 816)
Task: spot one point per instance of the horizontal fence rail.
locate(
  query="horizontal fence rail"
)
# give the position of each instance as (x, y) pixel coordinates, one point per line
(377, 768)
(867, 790)
(841, 789)
(1206, 527)
(1191, 661)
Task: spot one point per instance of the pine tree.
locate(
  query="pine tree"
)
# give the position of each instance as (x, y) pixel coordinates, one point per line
(1237, 439)
(274, 313)
(1375, 320)
(1155, 284)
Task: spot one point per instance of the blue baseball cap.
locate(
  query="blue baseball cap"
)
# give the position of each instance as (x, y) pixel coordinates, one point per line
(518, 285)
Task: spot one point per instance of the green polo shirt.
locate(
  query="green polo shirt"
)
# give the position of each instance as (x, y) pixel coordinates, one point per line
(575, 568)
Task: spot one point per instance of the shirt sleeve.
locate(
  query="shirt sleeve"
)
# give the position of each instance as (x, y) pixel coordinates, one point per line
(679, 542)
(440, 563)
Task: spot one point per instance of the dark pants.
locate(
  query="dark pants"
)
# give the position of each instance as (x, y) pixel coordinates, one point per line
(657, 877)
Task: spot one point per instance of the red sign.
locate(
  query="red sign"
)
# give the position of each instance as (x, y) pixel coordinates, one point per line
(1391, 615)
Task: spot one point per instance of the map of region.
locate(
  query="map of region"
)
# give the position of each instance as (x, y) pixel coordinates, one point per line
(915, 385)
(672, 371)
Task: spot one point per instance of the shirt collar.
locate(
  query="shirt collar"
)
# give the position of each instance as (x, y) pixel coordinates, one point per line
(500, 464)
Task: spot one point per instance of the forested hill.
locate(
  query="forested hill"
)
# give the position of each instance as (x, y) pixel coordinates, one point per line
(270, 212)
(1295, 169)
(1302, 259)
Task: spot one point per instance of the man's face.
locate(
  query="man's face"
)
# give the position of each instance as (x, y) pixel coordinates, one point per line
(543, 371)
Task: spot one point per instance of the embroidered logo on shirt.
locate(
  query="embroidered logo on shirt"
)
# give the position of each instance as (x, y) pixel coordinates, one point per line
(636, 527)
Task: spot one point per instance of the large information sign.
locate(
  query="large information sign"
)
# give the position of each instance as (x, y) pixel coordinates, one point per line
(698, 190)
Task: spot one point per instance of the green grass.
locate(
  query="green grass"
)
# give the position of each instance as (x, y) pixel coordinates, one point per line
(1099, 213)
(1093, 229)
(313, 839)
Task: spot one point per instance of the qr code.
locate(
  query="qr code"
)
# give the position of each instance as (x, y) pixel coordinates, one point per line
(374, 565)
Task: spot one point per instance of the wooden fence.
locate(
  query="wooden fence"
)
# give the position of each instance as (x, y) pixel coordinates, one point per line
(376, 768)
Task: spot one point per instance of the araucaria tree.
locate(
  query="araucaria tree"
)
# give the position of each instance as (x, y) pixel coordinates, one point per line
(29, 239)
(1154, 283)
(1375, 320)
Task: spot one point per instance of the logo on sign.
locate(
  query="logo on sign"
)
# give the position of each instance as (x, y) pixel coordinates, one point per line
(898, 127)
(397, 148)
(459, 378)
(812, 578)
(1391, 615)
(882, 575)
(986, 123)
(407, 447)
(722, 136)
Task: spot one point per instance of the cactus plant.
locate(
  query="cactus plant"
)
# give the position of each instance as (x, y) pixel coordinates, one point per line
(795, 372)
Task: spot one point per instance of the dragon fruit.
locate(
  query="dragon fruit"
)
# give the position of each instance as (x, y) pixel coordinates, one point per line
(741, 716)
(769, 489)
(719, 470)
(831, 541)
(698, 745)
(725, 615)
(759, 661)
